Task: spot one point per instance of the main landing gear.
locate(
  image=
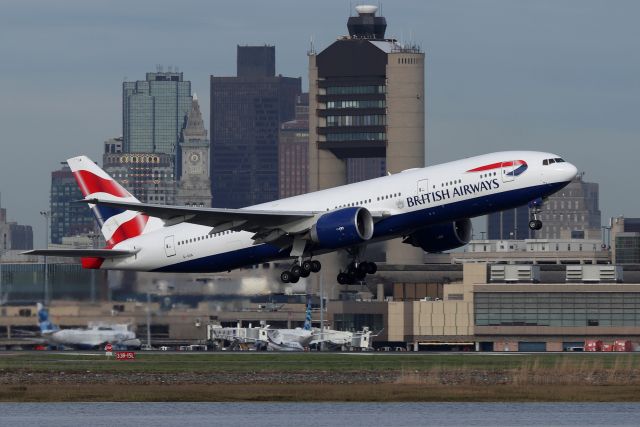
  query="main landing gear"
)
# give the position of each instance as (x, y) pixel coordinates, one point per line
(535, 207)
(356, 271)
(300, 269)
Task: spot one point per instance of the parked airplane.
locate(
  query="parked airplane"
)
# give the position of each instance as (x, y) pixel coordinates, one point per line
(93, 337)
(428, 207)
(298, 339)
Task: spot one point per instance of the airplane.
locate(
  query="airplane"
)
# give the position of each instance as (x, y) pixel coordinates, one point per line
(92, 338)
(429, 208)
(297, 339)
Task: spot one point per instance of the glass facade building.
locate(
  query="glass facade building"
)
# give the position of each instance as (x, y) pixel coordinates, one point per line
(246, 114)
(557, 309)
(149, 177)
(154, 111)
(68, 218)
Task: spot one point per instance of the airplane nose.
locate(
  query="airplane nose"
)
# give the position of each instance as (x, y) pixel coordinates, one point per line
(569, 171)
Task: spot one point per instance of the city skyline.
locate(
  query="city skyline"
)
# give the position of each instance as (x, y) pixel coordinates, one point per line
(499, 75)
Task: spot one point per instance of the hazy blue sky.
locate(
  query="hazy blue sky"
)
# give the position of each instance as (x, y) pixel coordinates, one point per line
(554, 75)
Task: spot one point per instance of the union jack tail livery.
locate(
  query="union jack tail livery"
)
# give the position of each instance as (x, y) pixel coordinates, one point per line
(116, 225)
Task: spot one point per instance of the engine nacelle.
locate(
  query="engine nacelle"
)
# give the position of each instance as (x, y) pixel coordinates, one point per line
(343, 227)
(442, 237)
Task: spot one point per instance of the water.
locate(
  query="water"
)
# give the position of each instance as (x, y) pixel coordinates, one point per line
(320, 414)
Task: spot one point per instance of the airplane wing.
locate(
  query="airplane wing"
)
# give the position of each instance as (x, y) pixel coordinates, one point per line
(222, 219)
(267, 225)
(97, 253)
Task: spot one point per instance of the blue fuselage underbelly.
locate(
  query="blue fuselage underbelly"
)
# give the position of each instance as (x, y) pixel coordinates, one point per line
(387, 228)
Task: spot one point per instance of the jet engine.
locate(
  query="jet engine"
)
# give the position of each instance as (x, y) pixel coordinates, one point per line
(442, 237)
(343, 227)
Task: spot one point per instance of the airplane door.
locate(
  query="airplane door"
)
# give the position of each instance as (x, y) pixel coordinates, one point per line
(169, 246)
(423, 186)
(507, 169)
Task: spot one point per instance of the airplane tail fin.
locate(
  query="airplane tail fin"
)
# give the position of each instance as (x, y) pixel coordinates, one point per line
(116, 225)
(43, 320)
(307, 319)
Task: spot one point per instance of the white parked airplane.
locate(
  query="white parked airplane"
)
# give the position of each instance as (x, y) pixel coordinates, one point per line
(428, 207)
(92, 338)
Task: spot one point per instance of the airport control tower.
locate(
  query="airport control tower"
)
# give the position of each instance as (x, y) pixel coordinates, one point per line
(366, 100)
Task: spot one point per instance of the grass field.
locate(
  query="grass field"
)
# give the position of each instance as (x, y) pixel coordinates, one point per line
(32, 376)
(294, 362)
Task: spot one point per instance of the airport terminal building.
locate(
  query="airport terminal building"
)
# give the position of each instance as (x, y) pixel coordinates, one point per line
(473, 306)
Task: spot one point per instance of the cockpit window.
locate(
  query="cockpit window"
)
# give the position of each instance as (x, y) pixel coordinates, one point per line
(559, 160)
(545, 162)
(551, 161)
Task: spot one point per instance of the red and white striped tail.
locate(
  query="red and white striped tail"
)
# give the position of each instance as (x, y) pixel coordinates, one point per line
(117, 225)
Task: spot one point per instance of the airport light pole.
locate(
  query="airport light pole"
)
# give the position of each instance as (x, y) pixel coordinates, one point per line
(149, 318)
(94, 240)
(321, 311)
(47, 216)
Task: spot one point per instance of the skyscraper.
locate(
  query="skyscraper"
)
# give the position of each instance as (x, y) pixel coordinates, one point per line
(246, 113)
(194, 186)
(68, 218)
(293, 151)
(153, 112)
(366, 110)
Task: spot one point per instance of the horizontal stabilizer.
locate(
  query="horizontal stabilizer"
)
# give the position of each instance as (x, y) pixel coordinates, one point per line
(78, 253)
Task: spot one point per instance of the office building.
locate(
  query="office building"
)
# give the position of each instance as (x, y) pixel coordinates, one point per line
(153, 112)
(572, 213)
(293, 152)
(625, 240)
(194, 185)
(150, 177)
(68, 218)
(366, 101)
(14, 236)
(246, 113)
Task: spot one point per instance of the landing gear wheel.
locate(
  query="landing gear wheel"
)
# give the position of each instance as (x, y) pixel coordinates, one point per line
(315, 266)
(307, 266)
(294, 279)
(535, 224)
(361, 272)
(296, 270)
(372, 268)
(343, 278)
(350, 279)
(285, 276)
(304, 273)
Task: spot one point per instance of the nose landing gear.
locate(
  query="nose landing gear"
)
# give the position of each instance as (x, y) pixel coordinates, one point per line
(535, 207)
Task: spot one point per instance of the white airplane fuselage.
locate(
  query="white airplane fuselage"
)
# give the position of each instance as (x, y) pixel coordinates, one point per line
(92, 337)
(409, 201)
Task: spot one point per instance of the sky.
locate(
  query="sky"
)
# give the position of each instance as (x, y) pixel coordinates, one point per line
(549, 75)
